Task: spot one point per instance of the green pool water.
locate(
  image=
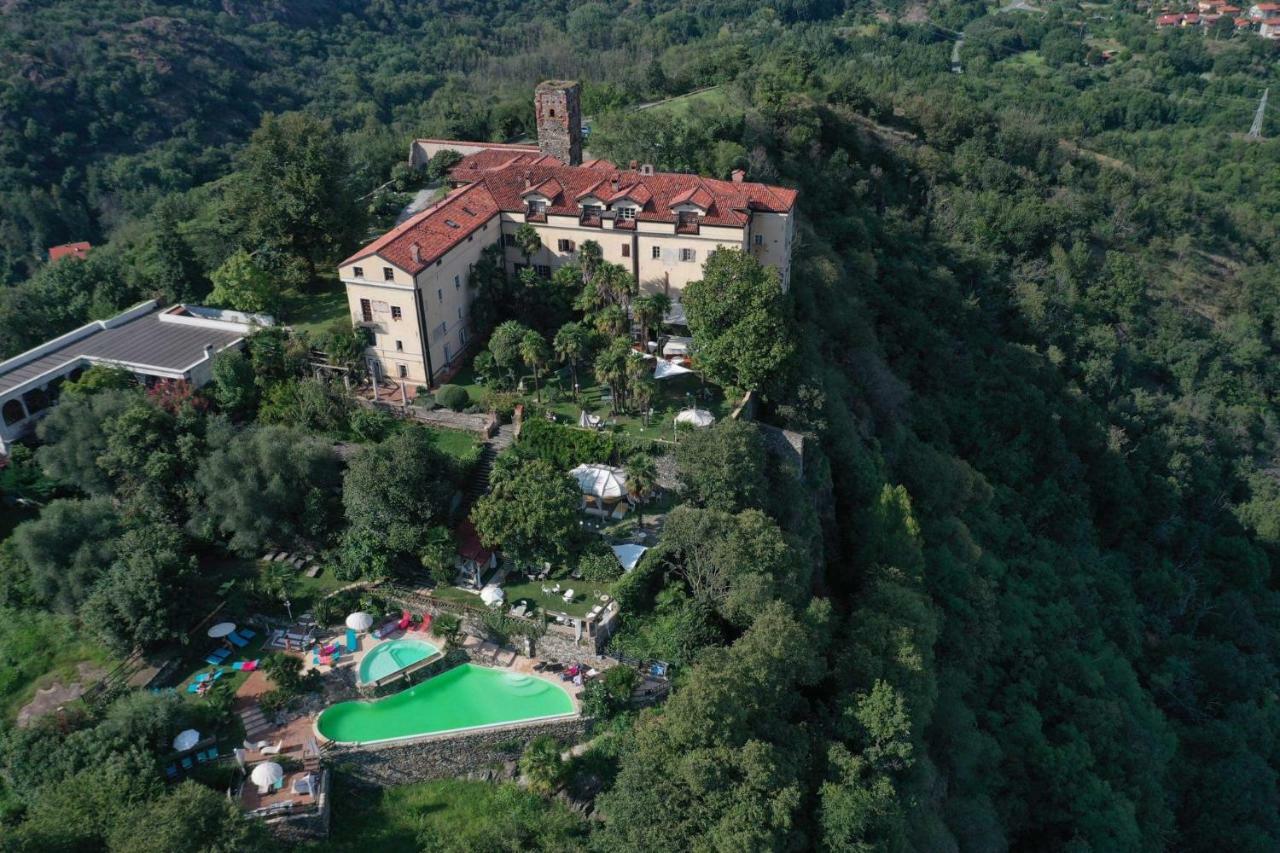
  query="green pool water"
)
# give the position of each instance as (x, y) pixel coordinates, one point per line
(393, 656)
(465, 697)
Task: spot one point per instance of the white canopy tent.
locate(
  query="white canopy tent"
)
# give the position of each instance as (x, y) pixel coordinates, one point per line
(697, 417)
(601, 481)
(677, 345)
(666, 369)
(628, 555)
(359, 621)
(492, 595)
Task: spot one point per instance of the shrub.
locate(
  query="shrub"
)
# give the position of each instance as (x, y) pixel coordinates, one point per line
(541, 764)
(448, 626)
(453, 396)
(599, 566)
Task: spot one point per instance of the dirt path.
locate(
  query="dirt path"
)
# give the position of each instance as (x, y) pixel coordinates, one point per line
(49, 699)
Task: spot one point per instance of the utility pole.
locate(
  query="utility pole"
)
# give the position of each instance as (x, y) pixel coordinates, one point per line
(1255, 132)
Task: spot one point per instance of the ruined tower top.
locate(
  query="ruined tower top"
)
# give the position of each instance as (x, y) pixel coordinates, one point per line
(556, 104)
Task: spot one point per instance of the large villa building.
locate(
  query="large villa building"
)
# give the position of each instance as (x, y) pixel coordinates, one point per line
(410, 286)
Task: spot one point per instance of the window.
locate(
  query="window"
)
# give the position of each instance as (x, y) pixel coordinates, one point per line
(459, 312)
(509, 240)
(462, 337)
(626, 250)
(388, 274)
(564, 245)
(366, 311)
(657, 253)
(404, 371)
(759, 239)
(358, 272)
(537, 208)
(399, 346)
(626, 213)
(395, 312)
(688, 255)
(439, 295)
(457, 282)
(542, 270)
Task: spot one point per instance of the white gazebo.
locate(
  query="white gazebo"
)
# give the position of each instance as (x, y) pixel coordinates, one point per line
(696, 417)
(666, 369)
(628, 555)
(603, 487)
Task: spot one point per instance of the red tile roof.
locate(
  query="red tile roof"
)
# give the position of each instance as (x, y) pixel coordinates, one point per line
(69, 250)
(498, 181)
(433, 231)
(469, 545)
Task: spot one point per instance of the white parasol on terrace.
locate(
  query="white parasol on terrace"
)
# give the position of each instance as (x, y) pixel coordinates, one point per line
(221, 630)
(697, 417)
(266, 774)
(186, 739)
(601, 481)
(667, 369)
(492, 595)
(359, 621)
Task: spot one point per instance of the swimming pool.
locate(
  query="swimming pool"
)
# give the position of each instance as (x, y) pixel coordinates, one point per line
(465, 697)
(392, 656)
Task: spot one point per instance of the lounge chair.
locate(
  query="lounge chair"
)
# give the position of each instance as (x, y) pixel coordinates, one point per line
(216, 657)
(568, 596)
(201, 758)
(213, 752)
(248, 633)
(186, 763)
(426, 621)
(237, 640)
(171, 772)
(194, 687)
(302, 785)
(353, 641)
(245, 665)
(272, 749)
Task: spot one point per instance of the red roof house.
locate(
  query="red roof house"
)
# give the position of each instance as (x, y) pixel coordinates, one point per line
(69, 250)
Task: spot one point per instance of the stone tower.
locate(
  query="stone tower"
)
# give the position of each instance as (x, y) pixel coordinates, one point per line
(556, 103)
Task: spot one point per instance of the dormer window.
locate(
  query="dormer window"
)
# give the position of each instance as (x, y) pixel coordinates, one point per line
(537, 207)
(626, 212)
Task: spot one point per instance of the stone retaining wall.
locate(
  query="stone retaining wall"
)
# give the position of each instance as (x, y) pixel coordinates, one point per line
(448, 756)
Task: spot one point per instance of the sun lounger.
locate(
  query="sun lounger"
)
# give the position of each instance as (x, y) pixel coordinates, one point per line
(245, 665)
(426, 621)
(217, 656)
(195, 686)
(186, 763)
(273, 749)
(353, 641)
(301, 785)
(248, 633)
(237, 640)
(171, 771)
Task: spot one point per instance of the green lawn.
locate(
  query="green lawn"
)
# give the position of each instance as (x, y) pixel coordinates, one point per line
(312, 312)
(232, 679)
(454, 442)
(450, 815)
(699, 102)
(586, 594)
(37, 649)
(674, 394)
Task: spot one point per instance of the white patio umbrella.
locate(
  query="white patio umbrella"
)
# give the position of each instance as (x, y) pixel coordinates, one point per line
(267, 773)
(221, 630)
(601, 481)
(629, 555)
(491, 595)
(697, 417)
(186, 739)
(359, 621)
(667, 369)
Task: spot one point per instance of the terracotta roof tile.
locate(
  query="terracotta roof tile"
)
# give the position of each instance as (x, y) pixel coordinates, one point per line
(69, 250)
(434, 231)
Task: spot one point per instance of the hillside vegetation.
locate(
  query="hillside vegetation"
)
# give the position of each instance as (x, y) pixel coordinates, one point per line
(1021, 595)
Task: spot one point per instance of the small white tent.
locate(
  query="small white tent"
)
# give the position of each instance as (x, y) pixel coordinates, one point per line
(697, 417)
(629, 555)
(666, 369)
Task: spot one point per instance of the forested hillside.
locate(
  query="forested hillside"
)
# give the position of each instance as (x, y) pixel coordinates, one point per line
(1027, 601)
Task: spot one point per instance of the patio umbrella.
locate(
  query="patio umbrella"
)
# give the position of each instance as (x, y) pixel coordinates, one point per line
(628, 555)
(667, 369)
(186, 739)
(267, 773)
(492, 595)
(697, 417)
(601, 481)
(221, 630)
(359, 621)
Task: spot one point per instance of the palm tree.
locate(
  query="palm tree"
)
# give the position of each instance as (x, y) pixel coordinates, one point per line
(528, 241)
(616, 284)
(541, 764)
(572, 344)
(642, 479)
(590, 257)
(535, 354)
(611, 368)
(611, 320)
(639, 370)
(648, 312)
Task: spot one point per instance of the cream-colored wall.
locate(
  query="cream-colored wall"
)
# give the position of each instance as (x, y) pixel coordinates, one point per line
(386, 331)
(777, 231)
(442, 300)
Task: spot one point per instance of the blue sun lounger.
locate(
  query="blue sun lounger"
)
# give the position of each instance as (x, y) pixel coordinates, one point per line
(237, 640)
(353, 642)
(217, 656)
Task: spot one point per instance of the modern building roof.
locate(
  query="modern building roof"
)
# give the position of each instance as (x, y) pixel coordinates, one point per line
(144, 338)
(69, 250)
(500, 180)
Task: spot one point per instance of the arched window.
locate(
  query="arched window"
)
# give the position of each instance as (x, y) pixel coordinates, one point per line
(36, 400)
(12, 412)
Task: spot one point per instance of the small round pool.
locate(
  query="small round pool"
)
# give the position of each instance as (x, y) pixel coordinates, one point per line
(392, 656)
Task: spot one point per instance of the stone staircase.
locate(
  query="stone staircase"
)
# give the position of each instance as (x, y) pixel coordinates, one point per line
(255, 724)
(479, 483)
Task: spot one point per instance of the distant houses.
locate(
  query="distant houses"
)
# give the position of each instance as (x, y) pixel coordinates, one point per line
(1208, 12)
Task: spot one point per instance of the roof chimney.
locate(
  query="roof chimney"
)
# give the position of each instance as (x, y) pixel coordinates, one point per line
(528, 178)
(417, 253)
(737, 175)
(208, 350)
(634, 164)
(646, 169)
